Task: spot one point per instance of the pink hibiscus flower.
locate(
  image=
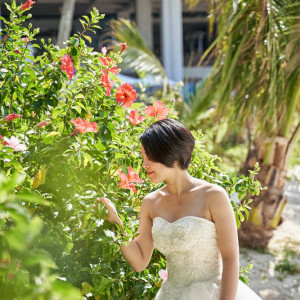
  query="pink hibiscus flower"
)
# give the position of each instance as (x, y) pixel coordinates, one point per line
(103, 50)
(127, 180)
(158, 109)
(67, 65)
(163, 274)
(84, 125)
(27, 4)
(43, 123)
(134, 117)
(12, 117)
(106, 82)
(106, 61)
(124, 46)
(126, 95)
(14, 143)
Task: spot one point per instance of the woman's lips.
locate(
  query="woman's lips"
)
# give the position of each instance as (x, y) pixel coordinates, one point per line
(150, 173)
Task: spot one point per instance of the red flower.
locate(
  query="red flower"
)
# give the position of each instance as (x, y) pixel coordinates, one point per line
(134, 117)
(12, 117)
(126, 180)
(124, 183)
(14, 143)
(25, 40)
(133, 176)
(124, 46)
(114, 70)
(17, 51)
(43, 123)
(27, 4)
(84, 126)
(67, 65)
(158, 109)
(105, 80)
(126, 94)
(105, 60)
(1, 137)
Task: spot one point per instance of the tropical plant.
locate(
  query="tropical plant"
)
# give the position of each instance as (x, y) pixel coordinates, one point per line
(26, 269)
(70, 127)
(138, 56)
(254, 83)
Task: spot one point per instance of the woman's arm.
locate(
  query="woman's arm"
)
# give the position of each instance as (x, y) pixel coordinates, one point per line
(137, 252)
(223, 216)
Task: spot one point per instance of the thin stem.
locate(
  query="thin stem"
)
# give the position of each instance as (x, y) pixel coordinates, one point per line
(68, 111)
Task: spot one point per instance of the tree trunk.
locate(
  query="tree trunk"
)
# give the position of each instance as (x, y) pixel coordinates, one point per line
(66, 21)
(267, 208)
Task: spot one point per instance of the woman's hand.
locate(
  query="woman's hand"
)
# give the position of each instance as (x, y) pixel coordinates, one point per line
(112, 215)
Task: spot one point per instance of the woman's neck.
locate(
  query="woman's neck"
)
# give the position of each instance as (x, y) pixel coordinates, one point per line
(179, 182)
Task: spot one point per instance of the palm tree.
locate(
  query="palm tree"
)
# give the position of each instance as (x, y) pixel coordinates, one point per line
(138, 55)
(255, 82)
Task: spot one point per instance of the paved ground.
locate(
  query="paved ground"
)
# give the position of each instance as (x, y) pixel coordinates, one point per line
(265, 280)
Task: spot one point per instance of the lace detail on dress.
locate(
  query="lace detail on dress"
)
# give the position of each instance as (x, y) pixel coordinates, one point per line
(192, 254)
(193, 260)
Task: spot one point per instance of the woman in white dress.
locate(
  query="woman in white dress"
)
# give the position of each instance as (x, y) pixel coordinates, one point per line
(189, 220)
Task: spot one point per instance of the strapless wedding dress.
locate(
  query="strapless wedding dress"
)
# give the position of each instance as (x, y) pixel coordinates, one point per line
(193, 259)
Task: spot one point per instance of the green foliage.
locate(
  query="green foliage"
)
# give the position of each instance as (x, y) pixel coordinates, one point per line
(26, 269)
(256, 65)
(244, 271)
(59, 231)
(138, 55)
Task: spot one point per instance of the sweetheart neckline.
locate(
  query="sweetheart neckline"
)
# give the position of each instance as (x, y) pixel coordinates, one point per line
(200, 218)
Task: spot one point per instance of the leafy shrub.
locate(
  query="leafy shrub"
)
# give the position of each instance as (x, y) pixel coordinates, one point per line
(71, 128)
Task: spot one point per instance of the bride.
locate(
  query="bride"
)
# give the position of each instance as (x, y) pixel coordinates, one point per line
(189, 220)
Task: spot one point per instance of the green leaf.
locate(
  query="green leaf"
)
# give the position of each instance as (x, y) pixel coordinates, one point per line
(32, 198)
(88, 38)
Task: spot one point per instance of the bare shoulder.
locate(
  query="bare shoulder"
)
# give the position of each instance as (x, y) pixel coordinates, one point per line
(213, 193)
(150, 200)
(219, 204)
(153, 196)
(216, 193)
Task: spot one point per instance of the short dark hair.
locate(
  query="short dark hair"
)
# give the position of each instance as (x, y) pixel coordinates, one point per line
(167, 141)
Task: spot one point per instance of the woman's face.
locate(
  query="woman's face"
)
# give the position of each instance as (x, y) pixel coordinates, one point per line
(157, 172)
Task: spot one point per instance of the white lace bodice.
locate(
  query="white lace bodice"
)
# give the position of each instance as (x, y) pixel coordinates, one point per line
(193, 260)
(191, 249)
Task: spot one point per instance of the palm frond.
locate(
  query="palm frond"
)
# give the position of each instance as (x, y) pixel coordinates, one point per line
(138, 55)
(256, 39)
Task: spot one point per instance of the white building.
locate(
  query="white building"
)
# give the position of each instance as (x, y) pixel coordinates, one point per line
(176, 34)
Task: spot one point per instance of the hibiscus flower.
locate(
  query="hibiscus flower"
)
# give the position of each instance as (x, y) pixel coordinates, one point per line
(134, 117)
(14, 143)
(106, 82)
(67, 65)
(158, 109)
(84, 125)
(163, 274)
(25, 40)
(27, 4)
(127, 180)
(12, 117)
(43, 123)
(103, 50)
(124, 46)
(106, 61)
(126, 94)
(124, 183)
